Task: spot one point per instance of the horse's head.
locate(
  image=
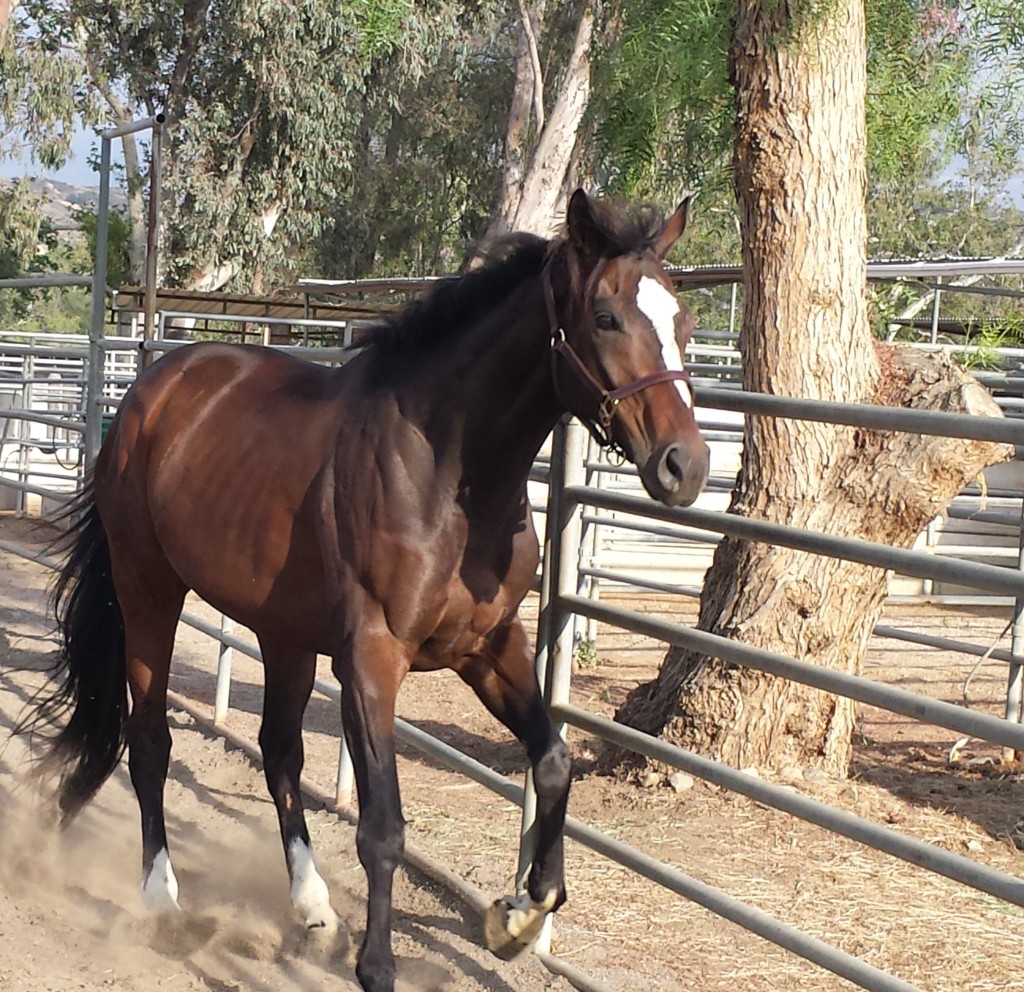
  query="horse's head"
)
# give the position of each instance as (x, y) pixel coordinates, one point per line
(619, 335)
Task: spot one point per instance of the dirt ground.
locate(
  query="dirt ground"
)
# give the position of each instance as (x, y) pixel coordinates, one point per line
(71, 916)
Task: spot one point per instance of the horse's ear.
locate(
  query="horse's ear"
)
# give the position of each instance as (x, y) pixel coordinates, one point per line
(584, 231)
(673, 230)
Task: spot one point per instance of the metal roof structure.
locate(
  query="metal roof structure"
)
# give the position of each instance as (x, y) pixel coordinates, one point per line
(369, 299)
(696, 276)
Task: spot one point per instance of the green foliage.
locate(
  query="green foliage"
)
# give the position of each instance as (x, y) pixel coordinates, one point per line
(60, 311)
(27, 244)
(942, 220)
(381, 23)
(584, 654)
(25, 237)
(663, 109)
(943, 79)
(119, 236)
(366, 136)
(267, 104)
(982, 354)
(917, 74)
(428, 163)
(43, 95)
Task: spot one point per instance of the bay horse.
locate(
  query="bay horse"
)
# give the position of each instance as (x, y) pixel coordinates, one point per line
(375, 513)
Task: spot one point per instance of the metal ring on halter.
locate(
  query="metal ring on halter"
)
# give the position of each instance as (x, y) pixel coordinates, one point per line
(607, 411)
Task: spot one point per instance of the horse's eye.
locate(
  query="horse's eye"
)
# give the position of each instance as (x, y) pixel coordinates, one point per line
(606, 321)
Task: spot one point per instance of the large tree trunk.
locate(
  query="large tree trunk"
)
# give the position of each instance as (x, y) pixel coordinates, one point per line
(6, 9)
(532, 195)
(137, 212)
(527, 96)
(800, 182)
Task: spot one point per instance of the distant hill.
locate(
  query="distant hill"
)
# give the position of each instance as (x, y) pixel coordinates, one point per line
(62, 200)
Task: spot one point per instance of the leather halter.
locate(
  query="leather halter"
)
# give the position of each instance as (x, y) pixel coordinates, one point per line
(607, 400)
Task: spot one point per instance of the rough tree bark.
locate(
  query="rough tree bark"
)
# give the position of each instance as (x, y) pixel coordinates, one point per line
(800, 183)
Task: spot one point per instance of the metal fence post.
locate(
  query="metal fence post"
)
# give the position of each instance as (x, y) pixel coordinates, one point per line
(932, 531)
(1015, 682)
(222, 699)
(152, 237)
(346, 773)
(94, 374)
(555, 630)
(94, 379)
(545, 642)
(732, 308)
(590, 543)
(25, 436)
(571, 525)
(936, 307)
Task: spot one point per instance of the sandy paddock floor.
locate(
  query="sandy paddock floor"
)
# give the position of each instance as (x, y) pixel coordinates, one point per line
(71, 916)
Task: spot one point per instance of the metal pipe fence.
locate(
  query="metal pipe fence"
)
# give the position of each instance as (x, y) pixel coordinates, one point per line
(554, 665)
(565, 604)
(560, 585)
(576, 507)
(344, 327)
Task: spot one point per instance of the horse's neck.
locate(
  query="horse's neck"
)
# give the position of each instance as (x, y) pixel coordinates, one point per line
(502, 390)
(515, 404)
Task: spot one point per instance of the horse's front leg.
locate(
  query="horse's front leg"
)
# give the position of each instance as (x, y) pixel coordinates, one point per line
(371, 669)
(288, 682)
(503, 678)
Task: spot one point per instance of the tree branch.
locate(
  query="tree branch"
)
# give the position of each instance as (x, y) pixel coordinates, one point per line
(516, 134)
(122, 114)
(538, 76)
(542, 185)
(6, 10)
(193, 18)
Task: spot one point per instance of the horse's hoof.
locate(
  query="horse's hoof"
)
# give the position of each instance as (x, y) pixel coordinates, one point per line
(327, 939)
(178, 934)
(512, 924)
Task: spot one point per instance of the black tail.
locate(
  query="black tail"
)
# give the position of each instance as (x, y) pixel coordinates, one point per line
(90, 668)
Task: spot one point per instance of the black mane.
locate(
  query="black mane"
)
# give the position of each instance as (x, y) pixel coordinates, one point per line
(457, 302)
(454, 304)
(626, 227)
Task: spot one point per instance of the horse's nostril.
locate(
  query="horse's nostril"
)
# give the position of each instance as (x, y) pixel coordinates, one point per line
(672, 467)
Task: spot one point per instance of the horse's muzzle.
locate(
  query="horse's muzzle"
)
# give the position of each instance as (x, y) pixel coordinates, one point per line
(676, 473)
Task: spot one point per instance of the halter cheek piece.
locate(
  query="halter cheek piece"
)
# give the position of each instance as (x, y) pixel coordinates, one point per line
(606, 400)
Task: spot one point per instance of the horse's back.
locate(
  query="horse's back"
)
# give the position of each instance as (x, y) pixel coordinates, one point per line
(210, 409)
(212, 462)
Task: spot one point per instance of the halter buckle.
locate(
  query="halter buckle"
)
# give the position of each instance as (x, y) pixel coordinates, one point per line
(607, 411)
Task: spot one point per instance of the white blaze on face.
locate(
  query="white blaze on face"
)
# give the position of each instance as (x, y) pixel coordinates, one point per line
(660, 307)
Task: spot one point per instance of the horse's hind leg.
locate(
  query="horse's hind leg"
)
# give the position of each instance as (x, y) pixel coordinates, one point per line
(151, 602)
(504, 680)
(288, 681)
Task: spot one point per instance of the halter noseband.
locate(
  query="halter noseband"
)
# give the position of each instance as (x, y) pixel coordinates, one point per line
(607, 399)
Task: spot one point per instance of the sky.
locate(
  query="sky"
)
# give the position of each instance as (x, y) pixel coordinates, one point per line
(78, 171)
